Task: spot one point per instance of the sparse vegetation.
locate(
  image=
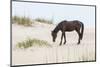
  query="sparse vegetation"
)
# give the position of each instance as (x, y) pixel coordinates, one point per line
(32, 42)
(22, 20)
(42, 20)
(28, 21)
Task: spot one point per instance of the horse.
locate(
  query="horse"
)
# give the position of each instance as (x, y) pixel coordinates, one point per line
(68, 26)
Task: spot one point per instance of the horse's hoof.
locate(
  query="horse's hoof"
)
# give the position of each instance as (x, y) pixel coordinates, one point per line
(64, 43)
(78, 43)
(60, 44)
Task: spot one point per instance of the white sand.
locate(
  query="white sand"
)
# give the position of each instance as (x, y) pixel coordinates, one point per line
(70, 52)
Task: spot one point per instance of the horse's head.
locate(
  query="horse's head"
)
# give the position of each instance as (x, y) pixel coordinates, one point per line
(54, 35)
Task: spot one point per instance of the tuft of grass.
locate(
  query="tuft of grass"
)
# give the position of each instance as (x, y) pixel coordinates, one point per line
(32, 42)
(22, 20)
(42, 20)
(15, 19)
(28, 21)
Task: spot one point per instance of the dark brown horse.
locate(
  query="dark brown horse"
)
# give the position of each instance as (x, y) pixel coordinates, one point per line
(67, 26)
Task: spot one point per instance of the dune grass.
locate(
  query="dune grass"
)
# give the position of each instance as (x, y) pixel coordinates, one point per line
(32, 42)
(22, 20)
(25, 21)
(42, 20)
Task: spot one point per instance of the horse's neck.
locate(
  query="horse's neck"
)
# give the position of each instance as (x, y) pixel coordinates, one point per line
(56, 29)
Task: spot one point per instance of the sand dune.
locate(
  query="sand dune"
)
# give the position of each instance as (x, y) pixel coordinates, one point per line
(70, 52)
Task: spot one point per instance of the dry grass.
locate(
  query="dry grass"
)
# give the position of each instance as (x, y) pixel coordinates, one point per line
(32, 42)
(22, 20)
(25, 21)
(42, 20)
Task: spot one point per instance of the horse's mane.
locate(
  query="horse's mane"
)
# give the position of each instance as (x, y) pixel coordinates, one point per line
(57, 28)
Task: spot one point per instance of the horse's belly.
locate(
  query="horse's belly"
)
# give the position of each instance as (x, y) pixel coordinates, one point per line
(69, 30)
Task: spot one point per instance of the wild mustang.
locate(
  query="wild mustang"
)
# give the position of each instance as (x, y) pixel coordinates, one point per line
(67, 26)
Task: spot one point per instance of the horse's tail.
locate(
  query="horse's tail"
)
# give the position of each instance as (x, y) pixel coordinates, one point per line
(82, 30)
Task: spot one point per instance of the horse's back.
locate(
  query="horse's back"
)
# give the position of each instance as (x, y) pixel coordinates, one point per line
(69, 25)
(74, 22)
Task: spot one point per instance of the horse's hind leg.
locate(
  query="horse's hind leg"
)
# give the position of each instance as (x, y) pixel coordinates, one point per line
(78, 31)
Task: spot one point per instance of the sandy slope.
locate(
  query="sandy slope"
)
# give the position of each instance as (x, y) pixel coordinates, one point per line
(69, 52)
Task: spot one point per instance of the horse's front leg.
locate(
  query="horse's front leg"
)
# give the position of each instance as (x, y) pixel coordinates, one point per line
(64, 38)
(61, 39)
